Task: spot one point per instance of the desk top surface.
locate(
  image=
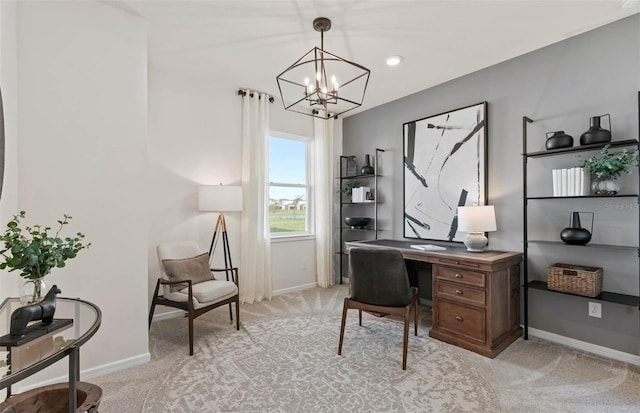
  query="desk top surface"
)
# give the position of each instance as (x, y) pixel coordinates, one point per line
(451, 251)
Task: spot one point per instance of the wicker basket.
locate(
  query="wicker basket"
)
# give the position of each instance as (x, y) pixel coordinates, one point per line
(575, 279)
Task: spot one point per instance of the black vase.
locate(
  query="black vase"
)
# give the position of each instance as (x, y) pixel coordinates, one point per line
(558, 140)
(596, 134)
(367, 169)
(575, 234)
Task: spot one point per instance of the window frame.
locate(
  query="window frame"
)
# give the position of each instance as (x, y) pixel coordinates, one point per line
(309, 233)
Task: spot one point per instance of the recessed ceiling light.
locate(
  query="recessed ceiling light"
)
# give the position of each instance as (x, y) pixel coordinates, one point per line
(394, 60)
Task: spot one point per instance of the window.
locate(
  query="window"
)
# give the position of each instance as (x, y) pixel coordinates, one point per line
(289, 185)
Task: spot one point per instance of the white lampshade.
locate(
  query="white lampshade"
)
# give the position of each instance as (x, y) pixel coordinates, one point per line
(480, 218)
(220, 198)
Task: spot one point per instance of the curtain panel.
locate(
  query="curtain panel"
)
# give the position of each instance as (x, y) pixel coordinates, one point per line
(255, 248)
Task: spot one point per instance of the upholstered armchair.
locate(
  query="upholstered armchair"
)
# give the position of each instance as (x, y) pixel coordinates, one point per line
(379, 284)
(190, 285)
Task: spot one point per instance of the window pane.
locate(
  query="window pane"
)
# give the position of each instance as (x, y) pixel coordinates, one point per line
(287, 161)
(287, 209)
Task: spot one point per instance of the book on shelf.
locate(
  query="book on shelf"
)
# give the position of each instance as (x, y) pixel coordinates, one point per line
(570, 182)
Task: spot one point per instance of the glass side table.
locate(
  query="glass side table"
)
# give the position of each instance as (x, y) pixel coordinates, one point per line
(81, 320)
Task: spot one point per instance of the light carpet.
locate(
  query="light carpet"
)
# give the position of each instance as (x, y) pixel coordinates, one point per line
(284, 359)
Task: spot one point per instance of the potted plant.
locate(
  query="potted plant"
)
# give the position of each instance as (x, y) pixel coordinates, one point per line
(34, 251)
(607, 168)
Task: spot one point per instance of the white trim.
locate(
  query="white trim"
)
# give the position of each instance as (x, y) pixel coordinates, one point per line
(294, 289)
(92, 372)
(292, 238)
(589, 347)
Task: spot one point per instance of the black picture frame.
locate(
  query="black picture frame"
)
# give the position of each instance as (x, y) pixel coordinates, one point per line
(445, 166)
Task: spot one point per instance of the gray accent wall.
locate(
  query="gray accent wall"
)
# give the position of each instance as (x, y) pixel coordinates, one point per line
(560, 87)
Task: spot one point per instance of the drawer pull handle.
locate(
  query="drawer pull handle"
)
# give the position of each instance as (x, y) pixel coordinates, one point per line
(458, 292)
(458, 275)
(459, 318)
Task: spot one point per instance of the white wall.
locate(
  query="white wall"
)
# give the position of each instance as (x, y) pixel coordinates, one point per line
(9, 85)
(82, 123)
(195, 139)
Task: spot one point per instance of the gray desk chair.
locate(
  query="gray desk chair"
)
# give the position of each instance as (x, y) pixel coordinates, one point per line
(190, 285)
(379, 284)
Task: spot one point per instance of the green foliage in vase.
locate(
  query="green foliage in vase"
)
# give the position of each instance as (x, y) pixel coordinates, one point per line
(349, 186)
(610, 165)
(33, 251)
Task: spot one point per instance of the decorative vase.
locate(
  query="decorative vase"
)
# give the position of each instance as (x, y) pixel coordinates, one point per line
(605, 186)
(596, 134)
(558, 140)
(575, 234)
(32, 291)
(367, 169)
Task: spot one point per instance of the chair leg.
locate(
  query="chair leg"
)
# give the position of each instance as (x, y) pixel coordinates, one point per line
(405, 343)
(153, 302)
(230, 315)
(360, 317)
(190, 315)
(415, 319)
(237, 313)
(344, 319)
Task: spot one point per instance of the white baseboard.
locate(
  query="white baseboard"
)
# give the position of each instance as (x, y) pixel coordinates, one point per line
(583, 345)
(90, 373)
(294, 289)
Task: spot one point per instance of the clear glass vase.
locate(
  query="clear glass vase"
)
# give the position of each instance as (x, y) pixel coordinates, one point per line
(33, 291)
(605, 186)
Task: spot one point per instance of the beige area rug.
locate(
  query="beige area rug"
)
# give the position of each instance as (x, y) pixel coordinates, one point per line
(284, 359)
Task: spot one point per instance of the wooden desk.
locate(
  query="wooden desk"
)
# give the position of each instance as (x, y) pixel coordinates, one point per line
(476, 296)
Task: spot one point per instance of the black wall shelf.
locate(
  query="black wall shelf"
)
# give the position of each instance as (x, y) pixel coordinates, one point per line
(605, 296)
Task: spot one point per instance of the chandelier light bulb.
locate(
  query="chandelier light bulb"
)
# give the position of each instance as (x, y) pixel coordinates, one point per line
(318, 77)
(306, 81)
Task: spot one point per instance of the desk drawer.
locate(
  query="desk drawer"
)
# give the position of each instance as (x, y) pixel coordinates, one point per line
(459, 292)
(460, 276)
(461, 320)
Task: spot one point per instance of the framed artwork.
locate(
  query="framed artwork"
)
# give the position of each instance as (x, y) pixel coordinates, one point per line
(445, 166)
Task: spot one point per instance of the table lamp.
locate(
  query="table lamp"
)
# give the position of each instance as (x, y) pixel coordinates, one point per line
(220, 198)
(476, 220)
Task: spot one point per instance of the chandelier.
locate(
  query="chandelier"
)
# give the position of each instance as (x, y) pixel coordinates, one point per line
(321, 84)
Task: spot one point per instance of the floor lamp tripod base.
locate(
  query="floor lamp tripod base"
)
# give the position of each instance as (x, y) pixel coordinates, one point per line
(220, 231)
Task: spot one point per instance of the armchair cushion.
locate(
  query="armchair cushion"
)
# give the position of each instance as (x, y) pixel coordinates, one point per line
(195, 269)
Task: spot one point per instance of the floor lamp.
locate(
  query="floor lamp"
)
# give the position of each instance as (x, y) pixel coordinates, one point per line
(220, 198)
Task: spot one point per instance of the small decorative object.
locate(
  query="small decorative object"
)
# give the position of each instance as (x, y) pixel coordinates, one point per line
(558, 140)
(596, 134)
(607, 168)
(35, 252)
(44, 310)
(367, 169)
(575, 279)
(575, 234)
(357, 222)
(352, 166)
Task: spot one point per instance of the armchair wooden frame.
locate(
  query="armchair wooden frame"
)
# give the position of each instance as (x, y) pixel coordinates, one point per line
(193, 313)
(383, 311)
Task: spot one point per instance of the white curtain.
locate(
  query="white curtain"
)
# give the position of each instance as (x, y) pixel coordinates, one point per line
(255, 248)
(323, 195)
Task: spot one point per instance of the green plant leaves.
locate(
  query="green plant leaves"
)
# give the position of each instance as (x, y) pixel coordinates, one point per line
(36, 252)
(610, 165)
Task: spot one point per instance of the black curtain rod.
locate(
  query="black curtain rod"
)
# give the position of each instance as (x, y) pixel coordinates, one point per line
(243, 94)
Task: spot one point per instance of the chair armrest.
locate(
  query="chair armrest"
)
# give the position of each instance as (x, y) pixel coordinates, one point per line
(234, 273)
(166, 282)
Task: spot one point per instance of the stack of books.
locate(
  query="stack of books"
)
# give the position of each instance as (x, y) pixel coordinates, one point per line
(361, 194)
(571, 182)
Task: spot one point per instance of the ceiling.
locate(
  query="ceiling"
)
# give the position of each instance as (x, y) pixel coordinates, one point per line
(247, 43)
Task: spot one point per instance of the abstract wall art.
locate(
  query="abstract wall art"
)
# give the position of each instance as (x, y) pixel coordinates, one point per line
(444, 167)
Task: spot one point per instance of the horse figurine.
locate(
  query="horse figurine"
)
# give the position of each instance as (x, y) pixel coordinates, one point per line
(43, 310)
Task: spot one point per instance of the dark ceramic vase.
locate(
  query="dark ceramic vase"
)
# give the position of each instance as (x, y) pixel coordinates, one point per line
(367, 169)
(575, 234)
(596, 134)
(558, 140)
